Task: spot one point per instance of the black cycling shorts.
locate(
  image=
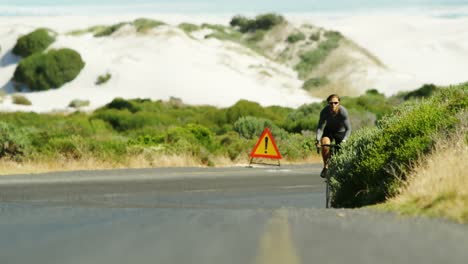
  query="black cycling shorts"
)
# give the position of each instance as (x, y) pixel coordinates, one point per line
(336, 136)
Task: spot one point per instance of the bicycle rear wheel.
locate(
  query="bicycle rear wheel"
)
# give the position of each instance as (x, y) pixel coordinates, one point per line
(327, 192)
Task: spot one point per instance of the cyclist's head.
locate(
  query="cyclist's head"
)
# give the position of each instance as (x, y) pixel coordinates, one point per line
(334, 102)
(332, 96)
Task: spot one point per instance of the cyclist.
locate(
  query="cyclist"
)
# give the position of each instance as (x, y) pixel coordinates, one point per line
(337, 128)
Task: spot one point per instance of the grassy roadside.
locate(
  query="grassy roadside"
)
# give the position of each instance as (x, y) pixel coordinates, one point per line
(438, 187)
(8, 167)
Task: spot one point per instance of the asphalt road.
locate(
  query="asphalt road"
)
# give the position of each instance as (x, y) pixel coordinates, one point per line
(206, 215)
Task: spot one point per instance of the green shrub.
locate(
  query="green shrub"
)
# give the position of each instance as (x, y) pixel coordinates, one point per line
(52, 70)
(14, 141)
(203, 135)
(256, 36)
(423, 92)
(373, 164)
(335, 35)
(77, 103)
(372, 101)
(268, 21)
(188, 27)
(34, 42)
(103, 79)
(262, 22)
(234, 145)
(144, 24)
(295, 37)
(214, 27)
(121, 104)
(241, 22)
(243, 108)
(296, 146)
(123, 120)
(251, 127)
(147, 140)
(312, 83)
(109, 30)
(20, 100)
(71, 147)
(315, 36)
(305, 118)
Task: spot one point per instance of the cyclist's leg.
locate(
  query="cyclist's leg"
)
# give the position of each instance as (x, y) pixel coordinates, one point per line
(339, 136)
(325, 150)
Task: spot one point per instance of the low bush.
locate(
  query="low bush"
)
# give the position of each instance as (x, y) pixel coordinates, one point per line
(77, 103)
(312, 83)
(20, 100)
(121, 104)
(147, 140)
(423, 92)
(234, 144)
(14, 141)
(103, 79)
(124, 120)
(295, 37)
(108, 30)
(315, 36)
(144, 24)
(240, 22)
(36, 41)
(305, 118)
(267, 21)
(51, 70)
(188, 27)
(261, 22)
(251, 127)
(296, 146)
(243, 108)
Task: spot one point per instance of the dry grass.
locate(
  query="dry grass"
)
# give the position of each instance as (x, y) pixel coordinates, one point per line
(439, 186)
(8, 167)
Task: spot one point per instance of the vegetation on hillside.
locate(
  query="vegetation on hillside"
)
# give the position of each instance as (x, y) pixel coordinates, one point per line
(34, 42)
(140, 128)
(141, 25)
(310, 59)
(43, 71)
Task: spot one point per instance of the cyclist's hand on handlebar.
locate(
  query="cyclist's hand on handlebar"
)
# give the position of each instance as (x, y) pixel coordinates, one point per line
(317, 144)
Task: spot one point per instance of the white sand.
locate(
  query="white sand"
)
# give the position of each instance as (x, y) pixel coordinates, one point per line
(167, 63)
(416, 49)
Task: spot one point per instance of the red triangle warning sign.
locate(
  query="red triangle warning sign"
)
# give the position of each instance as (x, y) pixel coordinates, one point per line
(266, 147)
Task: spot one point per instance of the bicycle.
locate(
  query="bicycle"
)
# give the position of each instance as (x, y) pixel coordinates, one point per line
(328, 190)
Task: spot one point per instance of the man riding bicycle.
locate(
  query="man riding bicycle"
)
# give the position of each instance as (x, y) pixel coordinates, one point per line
(337, 128)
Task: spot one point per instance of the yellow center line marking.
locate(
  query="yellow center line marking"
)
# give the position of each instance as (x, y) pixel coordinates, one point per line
(276, 244)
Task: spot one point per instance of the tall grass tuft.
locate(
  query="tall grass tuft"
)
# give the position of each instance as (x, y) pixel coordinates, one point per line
(439, 185)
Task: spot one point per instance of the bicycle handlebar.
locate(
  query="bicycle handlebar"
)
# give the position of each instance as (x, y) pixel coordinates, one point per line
(330, 145)
(334, 146)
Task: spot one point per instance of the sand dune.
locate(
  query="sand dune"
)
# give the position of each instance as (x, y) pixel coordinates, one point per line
(167, 63)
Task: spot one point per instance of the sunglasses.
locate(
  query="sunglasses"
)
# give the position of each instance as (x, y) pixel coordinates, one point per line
(332, 103)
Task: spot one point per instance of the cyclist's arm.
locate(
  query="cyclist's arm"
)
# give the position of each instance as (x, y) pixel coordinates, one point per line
(321, 122)
(347, 124)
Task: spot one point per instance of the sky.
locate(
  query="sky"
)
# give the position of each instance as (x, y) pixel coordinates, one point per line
(19, 7)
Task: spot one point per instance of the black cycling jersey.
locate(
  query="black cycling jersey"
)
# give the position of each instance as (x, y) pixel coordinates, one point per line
(336, 124)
